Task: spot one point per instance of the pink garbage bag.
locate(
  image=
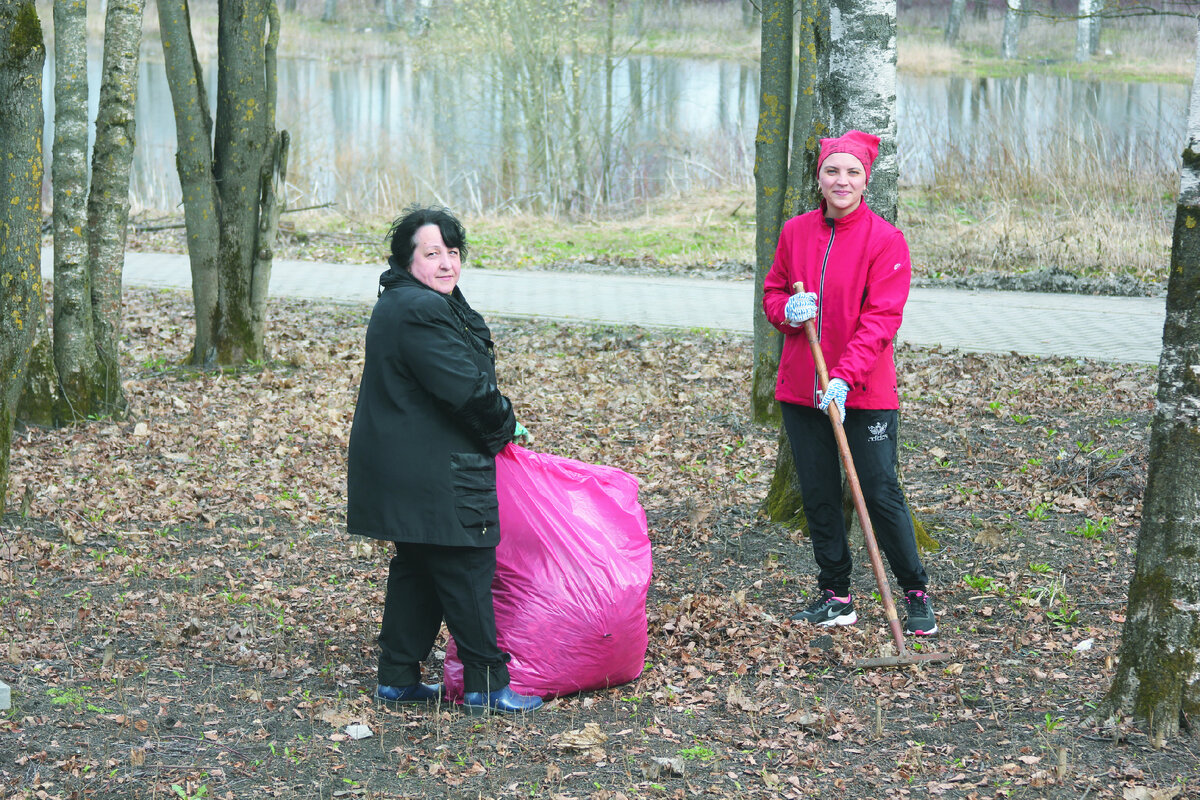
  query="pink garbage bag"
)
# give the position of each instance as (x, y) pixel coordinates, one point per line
(572, 570)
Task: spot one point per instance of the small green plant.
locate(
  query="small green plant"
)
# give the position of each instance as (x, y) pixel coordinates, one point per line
(1038, 512)
(72, 697)
(1052, 722)
(1117, 422)
(1063, 617)
(984, 584)
(201, 791)
(1038, 567)
(1021, 419)
(1092, 530)
(697, 753)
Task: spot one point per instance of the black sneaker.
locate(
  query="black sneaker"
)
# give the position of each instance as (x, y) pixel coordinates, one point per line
(920, 620)
(828, 610)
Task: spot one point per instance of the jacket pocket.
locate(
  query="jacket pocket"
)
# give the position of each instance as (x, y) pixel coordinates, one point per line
(473, 477)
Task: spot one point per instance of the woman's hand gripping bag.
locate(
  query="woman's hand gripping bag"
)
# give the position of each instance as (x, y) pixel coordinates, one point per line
(572, 570)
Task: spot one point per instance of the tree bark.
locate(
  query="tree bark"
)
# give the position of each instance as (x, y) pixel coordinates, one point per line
(75, 358)
(1158, 674)
(1083, 32)
(22, 55)
(860, 88)
(193, 161)
(232, 173)
(1096, 26)
(108, 199)
(954, 22)
(770, 182)
(1012, 30)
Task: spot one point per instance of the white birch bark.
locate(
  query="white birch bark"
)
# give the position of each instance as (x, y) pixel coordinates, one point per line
(1083, 32)
(1012, 30)
(860, 87)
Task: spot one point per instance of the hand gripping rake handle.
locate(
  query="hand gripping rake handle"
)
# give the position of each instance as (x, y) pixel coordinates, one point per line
(864, 519)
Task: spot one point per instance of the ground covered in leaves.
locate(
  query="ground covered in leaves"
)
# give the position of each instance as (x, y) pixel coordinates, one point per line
(185, 616)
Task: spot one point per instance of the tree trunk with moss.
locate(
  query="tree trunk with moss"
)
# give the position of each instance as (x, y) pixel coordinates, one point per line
(771, 146)
(22, 55)
(232, 174)
(1158, 674)
(83, 379)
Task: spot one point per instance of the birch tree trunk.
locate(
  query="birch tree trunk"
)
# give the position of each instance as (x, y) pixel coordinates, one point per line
(1083, 32)
(860, 87)
(22, 55)
(1158, 674)
(231, 173)
(954, 22)
(1012, 30)
(1096, 26)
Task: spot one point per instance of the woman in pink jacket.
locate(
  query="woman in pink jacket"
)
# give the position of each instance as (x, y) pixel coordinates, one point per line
(855, 271)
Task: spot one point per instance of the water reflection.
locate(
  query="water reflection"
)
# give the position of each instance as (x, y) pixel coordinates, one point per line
(371, 136)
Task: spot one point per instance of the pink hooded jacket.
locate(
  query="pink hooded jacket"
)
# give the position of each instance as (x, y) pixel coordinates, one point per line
(859, 268)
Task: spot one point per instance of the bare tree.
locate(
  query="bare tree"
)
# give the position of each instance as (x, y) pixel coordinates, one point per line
(954, 21)
(83, 378)
(1158, 675)
(1083, 31)
(22, 55)
(231, 175)
(772, 144)
(1010, 38)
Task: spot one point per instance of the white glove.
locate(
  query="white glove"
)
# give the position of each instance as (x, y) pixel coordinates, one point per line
(835, 392)
(800, 308)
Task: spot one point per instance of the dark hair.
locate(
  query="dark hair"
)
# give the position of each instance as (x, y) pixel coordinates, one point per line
(405, 228)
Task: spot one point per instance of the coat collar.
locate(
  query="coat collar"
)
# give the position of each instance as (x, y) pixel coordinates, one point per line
(855, 216)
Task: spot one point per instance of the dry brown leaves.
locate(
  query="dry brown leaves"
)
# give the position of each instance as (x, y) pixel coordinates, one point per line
(183, 607)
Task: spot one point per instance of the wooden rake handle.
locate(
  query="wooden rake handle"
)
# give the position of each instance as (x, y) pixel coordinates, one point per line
(860, 505)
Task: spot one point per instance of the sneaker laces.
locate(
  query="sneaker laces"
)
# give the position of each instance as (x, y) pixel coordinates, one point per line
(820, 602)
(918, 601)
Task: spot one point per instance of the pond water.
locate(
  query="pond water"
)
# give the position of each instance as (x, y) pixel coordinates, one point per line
(373, 134)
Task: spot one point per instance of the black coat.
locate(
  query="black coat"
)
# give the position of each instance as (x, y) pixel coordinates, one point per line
(429, 421)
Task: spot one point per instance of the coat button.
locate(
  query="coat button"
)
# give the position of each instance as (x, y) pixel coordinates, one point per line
(484, 531)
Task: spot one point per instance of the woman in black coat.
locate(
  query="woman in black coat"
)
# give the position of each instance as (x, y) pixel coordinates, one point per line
(422, 470)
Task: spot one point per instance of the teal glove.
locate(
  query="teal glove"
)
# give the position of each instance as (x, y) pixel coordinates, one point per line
(522, 434)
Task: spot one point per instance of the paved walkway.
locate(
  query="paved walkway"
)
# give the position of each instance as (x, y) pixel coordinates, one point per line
(1118, 329)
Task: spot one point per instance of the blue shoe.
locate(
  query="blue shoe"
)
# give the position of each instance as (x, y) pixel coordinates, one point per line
(501, 701)
(408, 695)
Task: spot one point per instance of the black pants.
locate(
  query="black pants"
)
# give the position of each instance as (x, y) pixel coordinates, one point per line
(872, 439)
(429, 583)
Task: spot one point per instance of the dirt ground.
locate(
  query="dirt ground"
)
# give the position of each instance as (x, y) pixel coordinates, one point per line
(184, 615)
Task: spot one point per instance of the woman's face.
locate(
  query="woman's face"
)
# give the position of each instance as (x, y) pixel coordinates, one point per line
(843, 181)
(433, 263)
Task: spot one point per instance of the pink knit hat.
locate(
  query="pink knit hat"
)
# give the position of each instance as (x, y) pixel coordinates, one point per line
(862, 146)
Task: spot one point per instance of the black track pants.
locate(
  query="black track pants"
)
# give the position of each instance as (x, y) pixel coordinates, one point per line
(872, 438)
(427, 583)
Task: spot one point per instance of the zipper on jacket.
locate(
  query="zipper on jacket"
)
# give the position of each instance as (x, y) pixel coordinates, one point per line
(832, 223)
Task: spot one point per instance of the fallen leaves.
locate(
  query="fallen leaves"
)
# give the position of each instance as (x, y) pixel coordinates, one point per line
(212, 584)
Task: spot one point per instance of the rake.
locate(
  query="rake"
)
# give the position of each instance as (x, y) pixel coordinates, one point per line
(903, 656)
